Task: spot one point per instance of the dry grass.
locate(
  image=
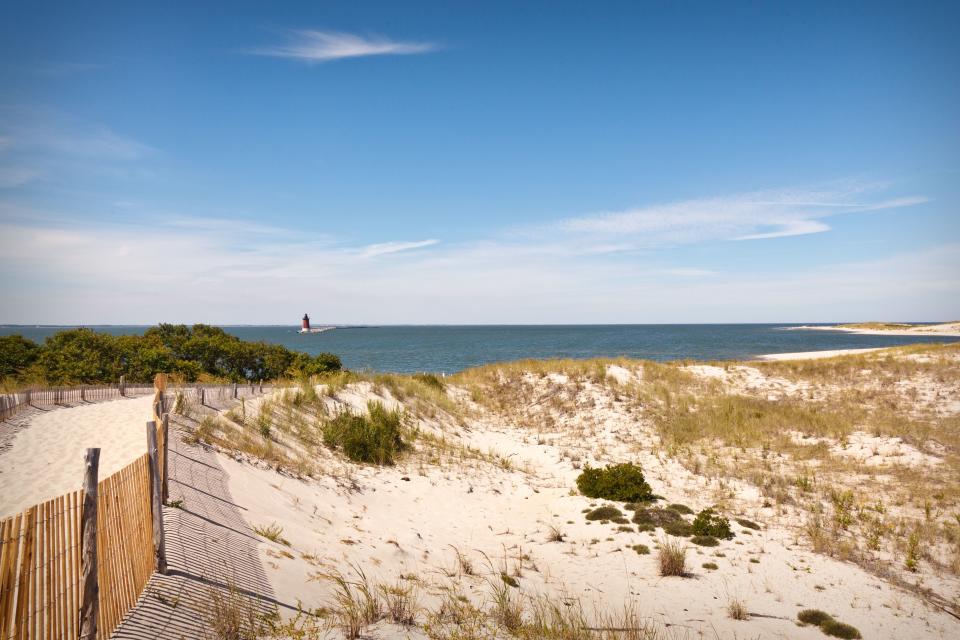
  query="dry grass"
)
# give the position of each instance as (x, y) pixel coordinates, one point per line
(743, 425)
(737, 609)
(231, 615)
(672, 557)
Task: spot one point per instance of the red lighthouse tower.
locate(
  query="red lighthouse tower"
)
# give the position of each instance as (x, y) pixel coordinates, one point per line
(305, 326)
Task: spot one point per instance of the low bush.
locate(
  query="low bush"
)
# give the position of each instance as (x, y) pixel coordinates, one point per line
(373, 439)
(604, 513)
(656, 517)
(839, 629)
(642, 549)
(681, 509)
(680, 528)
(620, 482)
(705, 541)
(813, 616)
(710, 565)
(828, 624)
(707, 523)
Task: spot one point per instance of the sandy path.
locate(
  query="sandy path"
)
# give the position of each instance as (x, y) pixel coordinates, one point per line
(210, 549)
(44, 458)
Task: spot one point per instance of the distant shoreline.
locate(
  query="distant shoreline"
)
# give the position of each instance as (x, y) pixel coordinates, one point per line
(947, 329)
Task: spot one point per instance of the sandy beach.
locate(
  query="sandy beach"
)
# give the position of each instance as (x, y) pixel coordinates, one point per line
(814, 355)
(45, 459)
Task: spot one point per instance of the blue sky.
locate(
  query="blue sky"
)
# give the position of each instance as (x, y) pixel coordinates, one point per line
(476, 163)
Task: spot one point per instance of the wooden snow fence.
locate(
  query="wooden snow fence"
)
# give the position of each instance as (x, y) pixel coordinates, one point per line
(53, 584)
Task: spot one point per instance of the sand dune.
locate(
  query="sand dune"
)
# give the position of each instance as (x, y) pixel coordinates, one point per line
(454, 514)
(45, 459)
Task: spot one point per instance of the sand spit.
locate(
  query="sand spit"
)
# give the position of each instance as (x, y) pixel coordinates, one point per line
(951, 329)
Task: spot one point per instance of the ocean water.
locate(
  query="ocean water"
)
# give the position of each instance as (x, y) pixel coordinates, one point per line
(449, 349)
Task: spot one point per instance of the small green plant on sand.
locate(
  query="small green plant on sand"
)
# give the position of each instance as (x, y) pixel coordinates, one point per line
(828, 624)
(621, 482)
(604, 513)
(839, 629)
(273, 532)
(375, 438)
(707, 523)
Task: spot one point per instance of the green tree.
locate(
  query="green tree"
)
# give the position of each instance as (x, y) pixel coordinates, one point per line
(16, 354)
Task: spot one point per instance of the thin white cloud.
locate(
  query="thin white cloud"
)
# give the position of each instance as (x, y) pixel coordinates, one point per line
(323, 46)
(747, 216)
(790, 228)
(75, 273)
(385, 248)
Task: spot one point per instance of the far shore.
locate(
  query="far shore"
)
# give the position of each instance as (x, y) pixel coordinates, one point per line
(948, 329)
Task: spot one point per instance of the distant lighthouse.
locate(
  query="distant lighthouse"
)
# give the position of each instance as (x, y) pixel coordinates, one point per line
(306, 328)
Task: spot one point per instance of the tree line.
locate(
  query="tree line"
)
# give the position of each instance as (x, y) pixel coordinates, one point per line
(197, 353)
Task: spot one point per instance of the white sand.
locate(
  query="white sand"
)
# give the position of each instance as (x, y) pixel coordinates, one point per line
(406, 520)
(409, 519)
(813, 355)
(45, 459)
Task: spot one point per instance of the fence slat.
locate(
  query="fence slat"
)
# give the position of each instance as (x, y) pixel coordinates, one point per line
(9, 552)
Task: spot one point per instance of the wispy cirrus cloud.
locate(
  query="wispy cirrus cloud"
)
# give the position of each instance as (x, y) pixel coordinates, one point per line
(747, 216)
(310, 45)
(384, 248)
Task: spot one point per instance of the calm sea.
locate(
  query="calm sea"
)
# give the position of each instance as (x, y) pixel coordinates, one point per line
(452, 348)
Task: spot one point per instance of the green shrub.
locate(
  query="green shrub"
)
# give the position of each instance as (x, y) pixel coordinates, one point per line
(839, 629)
(604, 513)
(710, 565)
(680, 528)
(707, 523)
(620, 482)
(813, 616)
(84, 356)
(680, 508)
(641, 549)
(375, 438)
(705, 541)
(656, 517)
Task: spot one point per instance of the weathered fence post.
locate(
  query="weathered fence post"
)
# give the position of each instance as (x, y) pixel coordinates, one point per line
(83, 394)
(234, 390)
(203, 397)
(260, 386)
(165, 493)
(29, 399)
(89, 582)
(159, 549)
(123, 385)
